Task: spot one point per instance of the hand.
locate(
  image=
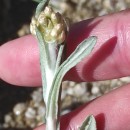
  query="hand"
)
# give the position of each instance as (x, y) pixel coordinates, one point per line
(19, 65)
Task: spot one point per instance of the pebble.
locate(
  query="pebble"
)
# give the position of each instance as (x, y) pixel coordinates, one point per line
(67, 102)
(37, 95)
(7, 118)
(103, 12)
(30, 113)
(85, 98)
(31, 123)
(41, 111)
(95, 90)
(108, 4)
(70, 91)
(79, 91)
(72, 84)
(114, 83)
(12, 123)
(125, 79)
(5, 125)
(24, 30)
(19, 108)
(121, 5)
(92, 97)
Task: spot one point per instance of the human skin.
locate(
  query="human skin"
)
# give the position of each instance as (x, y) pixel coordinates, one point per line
(19, 65)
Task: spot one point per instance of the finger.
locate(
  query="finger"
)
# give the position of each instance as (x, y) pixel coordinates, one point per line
(112, 112)
(109, 59)
(19, 62)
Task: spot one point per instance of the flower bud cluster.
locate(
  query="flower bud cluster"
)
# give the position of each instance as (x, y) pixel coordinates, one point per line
(52, 25)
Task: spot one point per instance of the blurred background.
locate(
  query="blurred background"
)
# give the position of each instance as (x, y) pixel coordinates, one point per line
(22, 108)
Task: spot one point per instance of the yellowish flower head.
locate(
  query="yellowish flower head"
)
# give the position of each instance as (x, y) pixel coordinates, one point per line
(52, 25)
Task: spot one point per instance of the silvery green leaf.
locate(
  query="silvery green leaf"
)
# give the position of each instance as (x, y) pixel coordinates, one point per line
(89, 124)
(41, 6)
(48, 63)
(83, 49)
(80, 53)
(43, 58)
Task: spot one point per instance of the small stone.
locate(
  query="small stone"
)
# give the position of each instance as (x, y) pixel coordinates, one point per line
(67, 101)
(41, 110)
(24, 30)
(12, 124)
(79, 91)
(125, 79)
(30, 113)
(107, 4)
(70, 91)
(114, 83)
(121, 5)
(5, 125)
(18, 119)
(72, 84)
(33, 124)
(95, 90)
(7, 118)
(37, 96)
(19, 108)
(103, 12)
(85, 97)
(30, 123)
(65, 85)
(92, 97)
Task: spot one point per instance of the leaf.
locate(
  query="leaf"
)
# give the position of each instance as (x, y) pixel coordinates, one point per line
(80, 52)
(43, 59)
(89, 124)
(48, 63)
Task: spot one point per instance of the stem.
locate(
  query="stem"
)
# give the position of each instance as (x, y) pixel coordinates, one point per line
(49, 63)
(52, 122)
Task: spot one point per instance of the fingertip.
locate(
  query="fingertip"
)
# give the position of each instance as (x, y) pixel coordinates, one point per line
(20, 62)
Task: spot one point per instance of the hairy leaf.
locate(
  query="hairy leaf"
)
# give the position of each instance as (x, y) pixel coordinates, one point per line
(43, 59)
(80, 52)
